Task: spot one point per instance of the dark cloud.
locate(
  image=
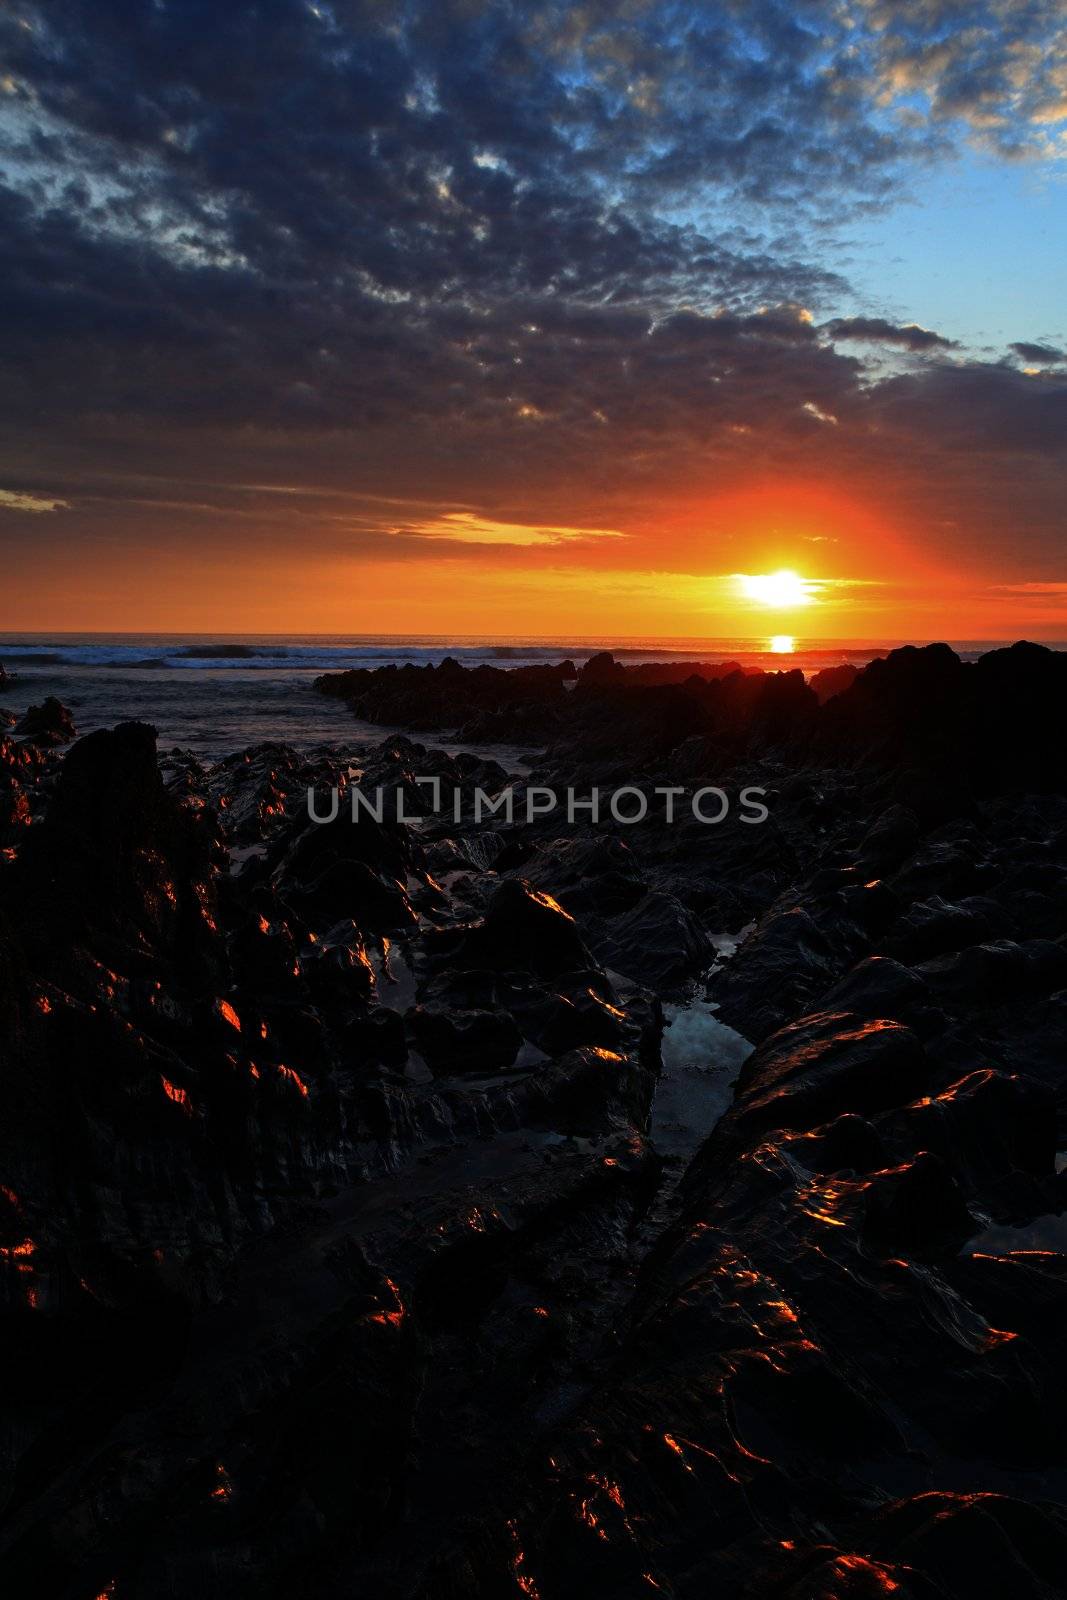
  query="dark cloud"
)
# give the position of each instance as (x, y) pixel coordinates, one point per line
(1035, 353)
(876, 330)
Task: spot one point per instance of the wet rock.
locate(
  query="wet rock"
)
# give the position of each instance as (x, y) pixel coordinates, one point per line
(826, 1064)
(988, 974)
(116, 852)
(891, 838)
(936, 926)
(849, 1143)
(585, 1014)
(525, 928)
(655, 940)
(917, 1209)
(349, 888)
(345, 1263)
(464, 1041)
(789, 960)
(47, 724)
(877, 987)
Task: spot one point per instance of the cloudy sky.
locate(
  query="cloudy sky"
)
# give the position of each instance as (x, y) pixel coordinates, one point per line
(466, 316)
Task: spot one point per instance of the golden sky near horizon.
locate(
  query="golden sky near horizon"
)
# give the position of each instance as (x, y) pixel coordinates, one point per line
(694, 574)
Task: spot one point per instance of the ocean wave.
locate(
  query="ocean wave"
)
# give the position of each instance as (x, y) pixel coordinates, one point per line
(230, 652)
(294, 657)
(151, 662)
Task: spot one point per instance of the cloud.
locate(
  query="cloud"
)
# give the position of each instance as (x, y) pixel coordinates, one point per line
(544, 259)
(1038, 353)
(1033, 590)
(820, 416)
(466, 527)
(12, 500)
(996, 68)
(876, 330)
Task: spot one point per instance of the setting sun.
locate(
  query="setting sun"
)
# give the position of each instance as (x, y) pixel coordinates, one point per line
(782, 589)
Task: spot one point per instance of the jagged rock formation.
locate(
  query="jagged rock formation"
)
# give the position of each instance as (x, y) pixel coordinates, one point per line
(339, 1251)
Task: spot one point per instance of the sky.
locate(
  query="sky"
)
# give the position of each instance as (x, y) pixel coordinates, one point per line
(523, 319)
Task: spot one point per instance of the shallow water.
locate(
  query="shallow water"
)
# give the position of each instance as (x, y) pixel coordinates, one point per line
(1047, 1234)
(214, 711)
(701, 1060)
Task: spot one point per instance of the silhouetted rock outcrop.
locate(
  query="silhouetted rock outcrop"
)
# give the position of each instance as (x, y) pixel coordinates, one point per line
(833, 680)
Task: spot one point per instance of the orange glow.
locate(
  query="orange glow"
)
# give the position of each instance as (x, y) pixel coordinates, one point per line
(228, 1014)
(294, 1077)
(666, 577)
(395, 1316)
(172, 1092)
(20, 1256)
(526, 1584)
(875, 1569)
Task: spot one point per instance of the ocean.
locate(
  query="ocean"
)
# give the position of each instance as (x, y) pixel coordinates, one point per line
(217, 693)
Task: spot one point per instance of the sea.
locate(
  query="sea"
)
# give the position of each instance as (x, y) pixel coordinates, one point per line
(214, 694)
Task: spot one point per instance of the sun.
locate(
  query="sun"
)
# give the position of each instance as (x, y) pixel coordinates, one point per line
(782, 590)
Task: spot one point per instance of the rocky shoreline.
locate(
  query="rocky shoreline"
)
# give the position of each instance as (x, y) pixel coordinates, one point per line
(356, 1239)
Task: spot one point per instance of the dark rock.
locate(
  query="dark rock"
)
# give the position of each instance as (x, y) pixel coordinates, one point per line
(988, 974)
(833, 680)
(49, 723)
(848, 1143)
(655, 940)
(826, 1064)
(891, 838)
(464, 1041)
(602, 668)
(525, 928)
(934, 927)
(917, 1209)
(347, 888)
(330, 1263)
(877, 987)
(783, 966)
